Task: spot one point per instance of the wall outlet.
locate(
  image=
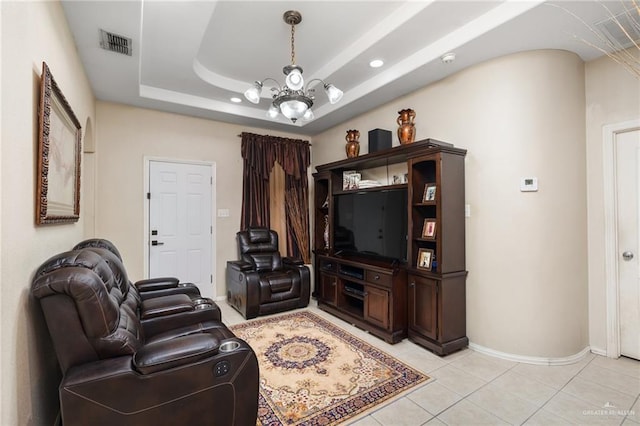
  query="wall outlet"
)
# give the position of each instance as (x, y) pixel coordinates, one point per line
(223, 212)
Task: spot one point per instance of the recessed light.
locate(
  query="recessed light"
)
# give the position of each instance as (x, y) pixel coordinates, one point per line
(236, 100)
(447, 58)
(376, 63)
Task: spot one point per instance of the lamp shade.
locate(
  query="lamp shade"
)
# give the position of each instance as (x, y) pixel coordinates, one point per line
(308, 116)
(293, 106)
(333, 93)
(293, 109)
(294, 79)
(272, 112)
(253, 93)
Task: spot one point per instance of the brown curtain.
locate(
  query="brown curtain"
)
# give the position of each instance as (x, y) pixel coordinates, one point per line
(260, 153)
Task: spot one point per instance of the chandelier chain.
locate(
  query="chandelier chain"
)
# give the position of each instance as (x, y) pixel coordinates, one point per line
(293, 49)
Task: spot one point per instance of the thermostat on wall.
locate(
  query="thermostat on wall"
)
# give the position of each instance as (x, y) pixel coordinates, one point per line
(528, 184)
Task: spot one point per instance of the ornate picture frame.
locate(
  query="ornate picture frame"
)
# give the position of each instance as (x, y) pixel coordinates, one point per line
(59, 141)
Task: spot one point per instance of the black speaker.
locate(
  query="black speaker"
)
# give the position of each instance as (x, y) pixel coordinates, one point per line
(379, 140)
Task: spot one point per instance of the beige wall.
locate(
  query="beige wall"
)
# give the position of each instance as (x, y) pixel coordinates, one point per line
(125, 136)
(612, 96)
(32, 32)
(519, 115)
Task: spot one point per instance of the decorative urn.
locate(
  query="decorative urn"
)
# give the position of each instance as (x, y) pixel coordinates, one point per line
(406, 127)
(353, 144)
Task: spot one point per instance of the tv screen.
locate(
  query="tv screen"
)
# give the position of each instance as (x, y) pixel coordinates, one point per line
(371, 223)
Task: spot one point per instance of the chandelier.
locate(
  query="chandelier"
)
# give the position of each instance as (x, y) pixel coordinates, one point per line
(292, 100)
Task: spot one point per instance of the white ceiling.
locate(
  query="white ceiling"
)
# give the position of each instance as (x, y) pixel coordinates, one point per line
(191, 57)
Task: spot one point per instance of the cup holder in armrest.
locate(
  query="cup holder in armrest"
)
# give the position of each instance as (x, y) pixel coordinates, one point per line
(203, 306)
(183, 285)
(202, 302)
(229, 346)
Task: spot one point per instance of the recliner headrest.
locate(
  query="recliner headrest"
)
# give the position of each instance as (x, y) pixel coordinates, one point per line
(77, 258)
(259, 235)
(99, 243)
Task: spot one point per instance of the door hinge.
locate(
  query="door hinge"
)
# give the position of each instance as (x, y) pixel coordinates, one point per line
(211, 180)
(211, 278)
(148, 195)
(211, 229)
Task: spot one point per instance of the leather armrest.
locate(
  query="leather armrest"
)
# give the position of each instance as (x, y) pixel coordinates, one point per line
(156, 283)
(175, 352)
(165, 305)
(241, 265)
(292, 261)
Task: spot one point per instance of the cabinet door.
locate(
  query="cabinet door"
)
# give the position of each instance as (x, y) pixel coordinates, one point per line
(423, 306)
(376, 307)
(329, 288)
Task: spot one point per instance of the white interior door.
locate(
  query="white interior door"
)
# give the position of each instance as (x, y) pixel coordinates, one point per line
(180, 223)
(627, 148)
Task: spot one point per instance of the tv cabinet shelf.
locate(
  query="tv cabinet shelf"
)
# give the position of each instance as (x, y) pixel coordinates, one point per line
(374, 189)
(397, 299)
(376, 302)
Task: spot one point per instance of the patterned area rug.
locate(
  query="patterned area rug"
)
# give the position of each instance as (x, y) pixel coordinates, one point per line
(314, 373)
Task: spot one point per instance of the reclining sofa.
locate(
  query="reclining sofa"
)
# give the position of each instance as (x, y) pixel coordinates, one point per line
(124, 363)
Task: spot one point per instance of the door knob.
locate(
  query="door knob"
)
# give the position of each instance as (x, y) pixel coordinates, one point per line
(627, 255)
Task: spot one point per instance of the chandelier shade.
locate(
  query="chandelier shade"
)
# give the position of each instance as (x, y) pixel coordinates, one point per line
(253, 93)
(292, 100)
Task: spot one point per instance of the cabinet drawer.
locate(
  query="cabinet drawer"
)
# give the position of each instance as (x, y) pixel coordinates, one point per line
(378, 278)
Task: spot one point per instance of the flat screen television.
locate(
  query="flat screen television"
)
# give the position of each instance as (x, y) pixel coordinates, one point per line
(372, 224)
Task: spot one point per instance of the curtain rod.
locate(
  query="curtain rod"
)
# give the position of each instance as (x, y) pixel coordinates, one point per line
(310, 144)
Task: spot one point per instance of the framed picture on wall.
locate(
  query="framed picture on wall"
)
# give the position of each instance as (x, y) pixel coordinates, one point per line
(425, 258)
(59, 135)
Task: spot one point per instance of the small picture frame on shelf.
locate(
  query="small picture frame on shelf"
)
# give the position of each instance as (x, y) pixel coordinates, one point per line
(429, 229)
(425, 258)
(350, 180)
(429, 192)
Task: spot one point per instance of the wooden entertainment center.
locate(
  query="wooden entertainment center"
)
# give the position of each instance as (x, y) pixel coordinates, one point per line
(423, 298)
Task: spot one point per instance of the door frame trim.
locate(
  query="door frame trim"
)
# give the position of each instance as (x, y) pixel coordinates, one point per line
(145, 229)
(612, 284)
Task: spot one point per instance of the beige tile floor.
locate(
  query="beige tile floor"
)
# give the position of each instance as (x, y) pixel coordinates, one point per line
(470, 388)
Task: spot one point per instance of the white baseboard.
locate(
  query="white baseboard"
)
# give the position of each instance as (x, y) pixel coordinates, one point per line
(599, 351)
(220, 298)
(571, 359)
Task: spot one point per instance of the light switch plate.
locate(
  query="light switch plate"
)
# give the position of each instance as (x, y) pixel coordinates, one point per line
(223, 212)
(529, 184)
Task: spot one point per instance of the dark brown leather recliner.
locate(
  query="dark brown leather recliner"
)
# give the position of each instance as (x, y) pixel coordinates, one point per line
(116, 370)
(151, 287)
(262, 282)
(156, 310)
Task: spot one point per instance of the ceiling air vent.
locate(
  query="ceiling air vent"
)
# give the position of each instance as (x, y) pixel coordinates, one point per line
(621, 30)
(115, 43)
